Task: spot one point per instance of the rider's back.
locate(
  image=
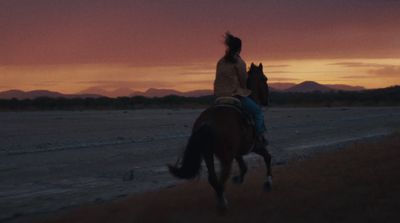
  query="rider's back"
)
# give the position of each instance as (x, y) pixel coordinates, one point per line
(227, 82)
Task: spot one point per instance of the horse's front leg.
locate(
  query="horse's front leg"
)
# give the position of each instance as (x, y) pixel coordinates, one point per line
(262, 151)
(243, 170)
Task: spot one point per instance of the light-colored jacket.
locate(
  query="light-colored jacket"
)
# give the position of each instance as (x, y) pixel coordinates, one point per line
(226, 83)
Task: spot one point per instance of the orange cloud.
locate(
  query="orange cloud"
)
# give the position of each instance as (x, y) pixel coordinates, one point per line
(374, 69)
(386, 71)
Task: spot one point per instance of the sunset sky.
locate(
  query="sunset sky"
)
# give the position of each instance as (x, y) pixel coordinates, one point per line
(71, 45)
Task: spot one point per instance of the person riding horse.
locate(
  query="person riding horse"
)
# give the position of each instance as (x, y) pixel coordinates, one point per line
(231, 79)
(222, 131)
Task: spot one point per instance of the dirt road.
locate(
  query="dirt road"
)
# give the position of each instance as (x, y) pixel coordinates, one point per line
(53, 160)
(357, 184)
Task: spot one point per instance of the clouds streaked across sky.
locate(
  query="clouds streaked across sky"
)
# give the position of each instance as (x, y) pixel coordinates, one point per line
(140, 35)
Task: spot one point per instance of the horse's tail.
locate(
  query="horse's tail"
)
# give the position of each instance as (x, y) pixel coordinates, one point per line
(200, 141)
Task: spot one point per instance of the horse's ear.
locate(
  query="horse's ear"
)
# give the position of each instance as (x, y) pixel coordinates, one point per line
(251, 66)
(260, 66)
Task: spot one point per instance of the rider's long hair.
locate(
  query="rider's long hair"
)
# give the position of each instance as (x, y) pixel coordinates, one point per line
(234, 46)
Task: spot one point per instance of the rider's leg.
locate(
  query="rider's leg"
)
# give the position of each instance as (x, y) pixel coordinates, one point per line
(250, 106)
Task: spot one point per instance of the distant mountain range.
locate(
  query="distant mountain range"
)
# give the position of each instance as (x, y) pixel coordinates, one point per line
(151, 92)
(310, 86)
(18, 94)
(95, 92)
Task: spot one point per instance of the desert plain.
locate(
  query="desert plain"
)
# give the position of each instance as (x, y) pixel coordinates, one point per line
(56, 160)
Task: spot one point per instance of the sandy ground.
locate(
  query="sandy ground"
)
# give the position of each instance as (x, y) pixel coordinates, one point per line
(50, 161)
(360, 183)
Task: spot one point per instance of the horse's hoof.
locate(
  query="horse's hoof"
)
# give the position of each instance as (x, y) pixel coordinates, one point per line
(222, 209)
(222, 205)
(237, 180)
(268, 184)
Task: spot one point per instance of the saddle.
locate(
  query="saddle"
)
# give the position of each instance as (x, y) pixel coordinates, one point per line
(234, 103)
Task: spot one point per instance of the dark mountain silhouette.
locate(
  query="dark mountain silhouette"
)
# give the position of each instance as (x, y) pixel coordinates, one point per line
(119, 92)
(283, 86)
(154, 92)
(151, 92)
(122, 92)
(309, 86)
(344, 87)
(18, 94)
(373, 97)
(94, 92)
(29, 95)
(280, 86)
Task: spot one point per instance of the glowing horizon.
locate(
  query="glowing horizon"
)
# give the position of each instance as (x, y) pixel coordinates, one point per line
(369, 73)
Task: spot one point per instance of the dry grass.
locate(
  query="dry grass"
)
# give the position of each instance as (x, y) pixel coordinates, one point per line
(358, 184)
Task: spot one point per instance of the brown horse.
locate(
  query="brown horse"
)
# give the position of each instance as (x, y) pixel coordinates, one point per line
(223, 131)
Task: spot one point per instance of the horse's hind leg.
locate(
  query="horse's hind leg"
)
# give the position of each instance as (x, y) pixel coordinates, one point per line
(262, 151)
(243, 170)
(212, 176)
(213, 180)
(222, 203)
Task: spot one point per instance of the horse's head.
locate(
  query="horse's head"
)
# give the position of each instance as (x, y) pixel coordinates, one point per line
(257, 83)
